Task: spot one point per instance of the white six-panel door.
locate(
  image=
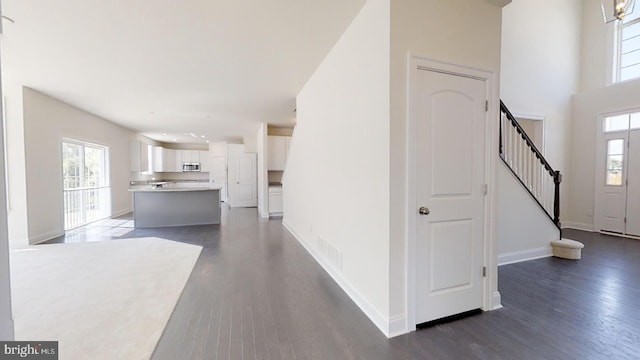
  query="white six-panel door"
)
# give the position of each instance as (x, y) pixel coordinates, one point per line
(450, 165)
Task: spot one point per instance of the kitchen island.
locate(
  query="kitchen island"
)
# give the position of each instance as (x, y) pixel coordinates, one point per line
(176, 205)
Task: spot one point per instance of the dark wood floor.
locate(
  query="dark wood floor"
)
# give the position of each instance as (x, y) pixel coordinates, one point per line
(255, 293)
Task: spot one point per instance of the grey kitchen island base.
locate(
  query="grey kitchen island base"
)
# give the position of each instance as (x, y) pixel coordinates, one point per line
(176, 208)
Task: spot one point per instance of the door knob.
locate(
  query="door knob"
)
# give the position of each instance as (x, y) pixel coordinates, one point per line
(424, 211)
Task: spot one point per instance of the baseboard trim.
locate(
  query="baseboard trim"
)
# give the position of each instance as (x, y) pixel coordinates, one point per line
(262, 214)
(397, 326)
(524, 255)
(120, 213)
(388, 326)
(577, 226)
(40, 238)
(496, 301)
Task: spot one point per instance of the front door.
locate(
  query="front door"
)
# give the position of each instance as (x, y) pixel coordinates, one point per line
(633, 185)
(612, 194)
(450, 172)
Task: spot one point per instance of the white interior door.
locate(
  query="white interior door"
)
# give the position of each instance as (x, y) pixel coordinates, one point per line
(450, 165)
(633, 185)
(243, 181)
(611, 194)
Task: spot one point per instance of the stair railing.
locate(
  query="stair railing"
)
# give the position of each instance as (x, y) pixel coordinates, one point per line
(529, 166)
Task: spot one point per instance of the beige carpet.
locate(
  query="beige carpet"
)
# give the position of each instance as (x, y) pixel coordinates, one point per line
(100, 300)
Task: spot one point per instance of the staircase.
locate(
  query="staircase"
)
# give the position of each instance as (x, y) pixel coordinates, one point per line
(529, 166)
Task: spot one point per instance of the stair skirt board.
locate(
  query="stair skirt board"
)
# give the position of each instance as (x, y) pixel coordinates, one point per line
(524, 255)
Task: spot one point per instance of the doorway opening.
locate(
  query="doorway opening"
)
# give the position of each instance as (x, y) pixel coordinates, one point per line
(86, 182)
(533, 125)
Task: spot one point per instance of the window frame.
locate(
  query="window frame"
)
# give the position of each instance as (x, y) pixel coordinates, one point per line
(617, 69)
(104, 187)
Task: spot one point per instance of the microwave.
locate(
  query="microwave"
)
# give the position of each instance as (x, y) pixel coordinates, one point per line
(191, 166)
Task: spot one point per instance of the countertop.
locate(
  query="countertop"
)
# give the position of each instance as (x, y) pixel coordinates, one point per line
(176, 187)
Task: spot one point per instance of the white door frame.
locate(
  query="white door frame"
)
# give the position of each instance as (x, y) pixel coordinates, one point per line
(600, 160)
(536, 117)
(491, 297)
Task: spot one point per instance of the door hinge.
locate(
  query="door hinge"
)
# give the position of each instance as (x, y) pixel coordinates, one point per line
(486, 189)
(484, 271)
(486, 105)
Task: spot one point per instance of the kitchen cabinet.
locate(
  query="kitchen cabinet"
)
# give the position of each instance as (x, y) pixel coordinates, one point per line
(139, 156)
(169, 161)
(178, 160)
(275, 200)
(277, 147)
(158, 159)
(287, 142)
(164, 160)
(190, 156)
(205, 161)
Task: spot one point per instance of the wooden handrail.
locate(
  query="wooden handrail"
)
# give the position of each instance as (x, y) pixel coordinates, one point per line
(555, 175)
(514, 122)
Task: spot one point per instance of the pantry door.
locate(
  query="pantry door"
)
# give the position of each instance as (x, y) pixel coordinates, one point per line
(450, 122)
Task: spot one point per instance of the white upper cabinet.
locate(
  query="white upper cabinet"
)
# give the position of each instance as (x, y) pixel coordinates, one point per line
(169, 161)
(277, 147)
(190, 156)
(178, 160)
(205, 161)
(158, 159)
(287, 142)
(139, 156)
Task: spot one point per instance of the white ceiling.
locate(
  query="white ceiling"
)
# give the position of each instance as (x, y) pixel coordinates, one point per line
(216, 68)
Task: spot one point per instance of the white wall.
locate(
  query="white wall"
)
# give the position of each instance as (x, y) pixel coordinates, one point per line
(218, 150)
(540, 71)
(524, 229)
(16, 185)
(465, 32)
(6, 317)
(250, 144)
(596, 66)
(589, 107)
(344, 220)
(263, 180)
(46, 122)
(596, 99)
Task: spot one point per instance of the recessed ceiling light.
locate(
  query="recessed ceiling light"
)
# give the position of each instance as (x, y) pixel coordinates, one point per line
(207, 140)
(175, 140)
(164, 134)
(202, 136)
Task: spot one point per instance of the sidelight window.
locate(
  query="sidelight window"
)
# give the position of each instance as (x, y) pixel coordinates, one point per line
(615, 158)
